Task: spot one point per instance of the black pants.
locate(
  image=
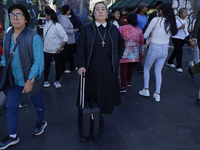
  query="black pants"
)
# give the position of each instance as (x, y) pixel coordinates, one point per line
(47, 65)
(68, 54)
(177, 53)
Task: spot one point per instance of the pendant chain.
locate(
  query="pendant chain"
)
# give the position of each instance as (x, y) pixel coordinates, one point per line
(103, 43)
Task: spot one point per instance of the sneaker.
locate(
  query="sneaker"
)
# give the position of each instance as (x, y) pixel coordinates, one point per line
(39, 129)
(76, 68)
(8, 141)
(191, 63)
(129, 84)
(57, 84)
(22, 104)
(171, 65)
(179, 70)
(157, 97)
(46, 84)
(123, 90)
(144, 92)
(191, 74)
(67, 71)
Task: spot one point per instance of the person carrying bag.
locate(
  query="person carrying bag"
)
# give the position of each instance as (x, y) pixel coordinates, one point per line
(148, 40)
(4, 70)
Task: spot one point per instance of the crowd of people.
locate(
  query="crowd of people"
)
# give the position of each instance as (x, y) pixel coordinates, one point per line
(107, 44)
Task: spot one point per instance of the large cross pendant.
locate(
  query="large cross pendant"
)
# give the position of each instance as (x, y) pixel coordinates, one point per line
(103, 43)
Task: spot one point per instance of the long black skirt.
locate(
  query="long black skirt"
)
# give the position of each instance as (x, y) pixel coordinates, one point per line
(102, 85)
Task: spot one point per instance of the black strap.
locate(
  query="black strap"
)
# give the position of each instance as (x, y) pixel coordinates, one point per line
(13, 51)
(47, 30)
(182, 24)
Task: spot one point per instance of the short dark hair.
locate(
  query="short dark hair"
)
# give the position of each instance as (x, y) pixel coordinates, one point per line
(132, 9)
(23, 9)
(158, 3)
(132, 19)
(65, 8)
(115, 10)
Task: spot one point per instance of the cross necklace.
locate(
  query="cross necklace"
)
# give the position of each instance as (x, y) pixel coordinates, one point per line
(103, 43)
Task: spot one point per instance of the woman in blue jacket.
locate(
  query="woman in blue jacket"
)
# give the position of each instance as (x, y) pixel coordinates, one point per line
(25, 74)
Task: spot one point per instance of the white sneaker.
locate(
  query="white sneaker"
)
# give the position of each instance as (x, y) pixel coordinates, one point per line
(144, 92)
(157, 97)
(191, 63)
(179, 70)
(46, 84)
(171, 65)
(67, 71)
(76, 68)
(57, 84)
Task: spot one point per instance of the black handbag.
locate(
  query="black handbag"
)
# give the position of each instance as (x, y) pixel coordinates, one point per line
(3, 78)
(4, 70)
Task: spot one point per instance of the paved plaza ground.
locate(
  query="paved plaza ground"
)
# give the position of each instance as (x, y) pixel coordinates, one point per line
(138, 124)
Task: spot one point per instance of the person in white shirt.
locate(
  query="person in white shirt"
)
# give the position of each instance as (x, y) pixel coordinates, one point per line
(55, 38)
(158, 49)
(70, 47)
(114, 17)
(178, 40)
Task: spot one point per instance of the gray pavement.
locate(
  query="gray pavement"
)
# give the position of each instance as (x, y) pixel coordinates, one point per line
(138, 124)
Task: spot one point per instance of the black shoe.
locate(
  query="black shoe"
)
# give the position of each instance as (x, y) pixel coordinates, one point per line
(39, 129)
(22, 104)
(191, 74)
(123, 90)
(101, 121)
(8, 141)
(129, 84)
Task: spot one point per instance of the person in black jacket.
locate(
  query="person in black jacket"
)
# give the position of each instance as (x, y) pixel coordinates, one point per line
(154, 14)
(100, 48)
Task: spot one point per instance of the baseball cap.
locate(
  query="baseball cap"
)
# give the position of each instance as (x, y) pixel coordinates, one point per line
(141, 5)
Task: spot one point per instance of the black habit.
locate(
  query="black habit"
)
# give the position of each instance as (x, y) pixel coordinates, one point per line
(102, 84)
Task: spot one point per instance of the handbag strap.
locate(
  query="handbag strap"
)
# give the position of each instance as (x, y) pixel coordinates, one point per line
(47, 30)
(182, 24)
(13, 51)
(155, 26)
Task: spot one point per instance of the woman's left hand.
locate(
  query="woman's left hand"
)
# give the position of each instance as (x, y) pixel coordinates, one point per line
(27, 86)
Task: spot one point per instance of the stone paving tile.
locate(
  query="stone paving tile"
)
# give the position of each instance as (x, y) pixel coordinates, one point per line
(138, 124)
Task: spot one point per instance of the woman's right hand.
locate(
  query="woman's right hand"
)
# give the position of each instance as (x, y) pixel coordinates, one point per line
(58, 51)
(81, 70)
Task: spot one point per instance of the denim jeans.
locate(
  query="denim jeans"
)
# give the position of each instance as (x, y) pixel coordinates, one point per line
(13, 97)
(156, 53)
(195, 55)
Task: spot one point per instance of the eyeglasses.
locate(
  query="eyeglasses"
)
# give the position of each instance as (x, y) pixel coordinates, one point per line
(18, 16)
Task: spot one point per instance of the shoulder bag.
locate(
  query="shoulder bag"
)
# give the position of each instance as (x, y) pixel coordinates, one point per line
(148, 40)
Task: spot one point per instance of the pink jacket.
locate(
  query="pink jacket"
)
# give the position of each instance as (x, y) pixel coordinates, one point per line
(134, 43)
